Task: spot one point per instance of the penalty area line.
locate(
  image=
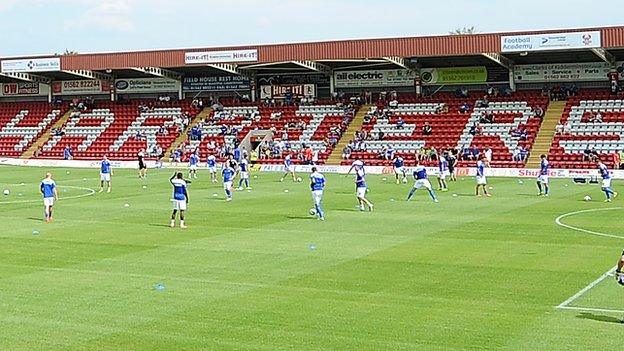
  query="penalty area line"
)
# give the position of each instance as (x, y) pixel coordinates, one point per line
(590, 309)
(590, 286)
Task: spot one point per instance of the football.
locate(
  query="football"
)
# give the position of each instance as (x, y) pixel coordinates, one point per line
(312, 212)
(299, 179)
(587, 198)
(6, 192)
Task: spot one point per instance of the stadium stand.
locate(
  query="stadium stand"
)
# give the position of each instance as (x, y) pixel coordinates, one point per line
(290, 128)
(503, 124)
(118, 130)
(592, 126)
(22, 123)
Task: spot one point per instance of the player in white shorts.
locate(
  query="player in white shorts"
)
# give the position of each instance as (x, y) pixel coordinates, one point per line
(542, 179)
(211, 163)
(50, 194)
(481, 180)
(180, 198)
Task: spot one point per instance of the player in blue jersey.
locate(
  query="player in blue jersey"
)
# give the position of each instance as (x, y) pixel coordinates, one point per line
(398, 164)
(481, 180)
(211, 164)
(606, 181)
(542, 178)
(180, 198)
(317, 184)
(361, 188)
(105, 174)
(50, 194)
(193, 164)
(289, 168)
(244, 173)
(229, 172)
(443, 172)
(422, 181)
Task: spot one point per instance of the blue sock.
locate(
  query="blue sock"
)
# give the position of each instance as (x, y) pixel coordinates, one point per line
(608, 192)
(546, 189)
(228, 193)
(240, 183)
(247, 183)
(411, 193)
(432, 194)
(319, 210)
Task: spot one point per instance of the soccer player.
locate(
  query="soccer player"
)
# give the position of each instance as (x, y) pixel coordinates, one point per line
(244, 173)
(50, 194)
(618, 271)
(142, 165)
(211, 163)
(289, 168)
(317, 184)
(420, 175)
(361, 188)
(193, 163)
(452, 164)
(481, 180)
(228, 177)
(398, 165)
(180, 198)
(606, 181)
(443, 172)
(542, 179)
(105, 174)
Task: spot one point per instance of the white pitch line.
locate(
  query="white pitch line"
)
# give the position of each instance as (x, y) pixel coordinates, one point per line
(90, 192)
(558, 221)
(591, 285)
(590, 309)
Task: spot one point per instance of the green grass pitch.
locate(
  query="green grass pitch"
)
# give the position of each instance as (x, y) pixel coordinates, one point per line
(260, 273)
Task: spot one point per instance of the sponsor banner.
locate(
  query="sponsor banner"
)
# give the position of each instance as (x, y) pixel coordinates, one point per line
(77, 87)
(277, 79)
(465, 172)
(24, 89)
(279, 91)
(70, 163)
(374, 78)
(221, 83)
(555, 41)
(562, 72)
(31, 65)
(454, 75)
(146, 85)
(221, 56)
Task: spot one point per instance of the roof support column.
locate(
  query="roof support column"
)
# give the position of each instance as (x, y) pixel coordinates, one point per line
(604, 55)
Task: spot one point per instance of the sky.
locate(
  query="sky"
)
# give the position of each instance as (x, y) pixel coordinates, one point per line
(32, 27)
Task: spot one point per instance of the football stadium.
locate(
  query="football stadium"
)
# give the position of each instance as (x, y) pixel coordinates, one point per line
(422, 192)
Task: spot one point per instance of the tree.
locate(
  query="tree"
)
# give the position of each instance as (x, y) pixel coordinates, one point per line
(464, 31)
(67, 52)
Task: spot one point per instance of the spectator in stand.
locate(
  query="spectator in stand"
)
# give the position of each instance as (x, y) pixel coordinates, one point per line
(596, 118)
(517, 154)
(346, 153)
(394, 103)
(140, 136)
(433, 154)
(442, 108)
(615, 88)
(68, 153)
(400, 123)
(488, 154)
(615, 156)
(490, 91)
(427, 130)
(566, 128)
(389, 153)
(587, 154)
(276, 116)
(476, 129)
(162, 131)
(538, 112)
(621, 165)
(464, 107)
(483, 102)
(462, 92)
